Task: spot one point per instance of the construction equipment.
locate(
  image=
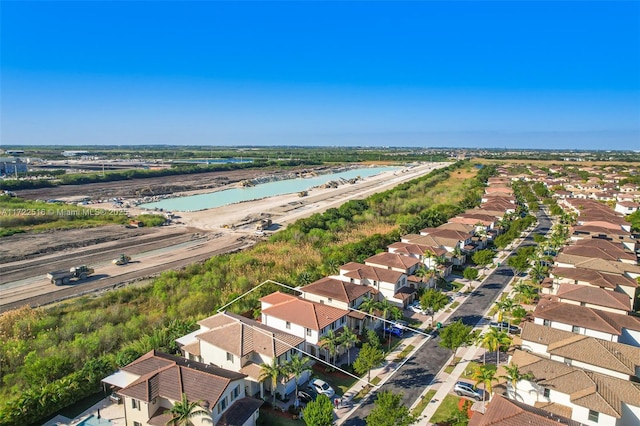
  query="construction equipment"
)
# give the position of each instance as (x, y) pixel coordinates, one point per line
(263, 224)
(77, 273)
(122, 260)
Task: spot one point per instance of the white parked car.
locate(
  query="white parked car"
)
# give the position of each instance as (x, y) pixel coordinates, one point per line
(415, 307)
(322, 387)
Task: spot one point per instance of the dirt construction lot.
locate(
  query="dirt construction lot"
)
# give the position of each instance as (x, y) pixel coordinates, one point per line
(25, 259)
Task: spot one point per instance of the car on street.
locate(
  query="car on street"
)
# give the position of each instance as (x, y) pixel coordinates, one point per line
(505, 326)
(468, 390)
(322, 387)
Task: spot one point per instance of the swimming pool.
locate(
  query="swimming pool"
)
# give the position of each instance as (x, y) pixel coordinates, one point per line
(93, 420)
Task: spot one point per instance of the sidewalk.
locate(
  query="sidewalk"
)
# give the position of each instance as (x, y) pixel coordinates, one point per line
(443, 386)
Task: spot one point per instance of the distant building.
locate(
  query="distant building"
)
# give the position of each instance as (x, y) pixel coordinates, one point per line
(74, 153)
(10, 166)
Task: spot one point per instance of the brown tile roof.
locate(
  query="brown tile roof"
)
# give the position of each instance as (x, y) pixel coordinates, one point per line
(242, 336)
(416, 249)
(336, 289)
(555, 408)
(451, 234)
(359, 271)
(252, 370)
(308, 314)
(594, 391)
(601, 353)
(169, 377)
(240, 412)
(594, 295)
(506, 412)
(404, 293)
(600, 248)
(583, 316)
(393, 260)
(431, 240)
(459, 226)
(594, 277)
(485, 219)
(598, 264)
(590, 229)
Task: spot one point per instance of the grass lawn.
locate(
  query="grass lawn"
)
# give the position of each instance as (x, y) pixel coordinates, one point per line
(449, 368)
(402, 355)
(468, 372)
(365, 390)
(447, 409)
(338, 380)
(423, 403)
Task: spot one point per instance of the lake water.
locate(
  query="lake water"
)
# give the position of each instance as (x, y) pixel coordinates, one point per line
(263, 190)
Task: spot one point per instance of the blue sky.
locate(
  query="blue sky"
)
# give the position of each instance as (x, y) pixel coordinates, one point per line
(464, 74)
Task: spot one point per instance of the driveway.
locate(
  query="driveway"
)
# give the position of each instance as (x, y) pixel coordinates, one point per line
(418, 372)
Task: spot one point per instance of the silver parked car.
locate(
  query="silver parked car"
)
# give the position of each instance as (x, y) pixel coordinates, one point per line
(468, 390)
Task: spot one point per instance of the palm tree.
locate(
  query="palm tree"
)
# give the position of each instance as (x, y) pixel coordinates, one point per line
(348, 339)
(485, 374)
(184, 411)
(505, 306)
(272, 371)
(369, 305)
(297, 366)
(385, 306)
(493, 340)
(422, 272)
(514, 376)
(330, 342)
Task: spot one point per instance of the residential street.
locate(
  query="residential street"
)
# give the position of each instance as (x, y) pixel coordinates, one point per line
(417, 373)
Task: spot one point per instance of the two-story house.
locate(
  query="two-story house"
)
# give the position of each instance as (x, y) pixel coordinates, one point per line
(303, 318)
(391, 285)
(243, 345)
(151, 385)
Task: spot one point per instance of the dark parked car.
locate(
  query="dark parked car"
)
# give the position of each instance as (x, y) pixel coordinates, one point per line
(504, 326)
(307, 395)
(394, 331)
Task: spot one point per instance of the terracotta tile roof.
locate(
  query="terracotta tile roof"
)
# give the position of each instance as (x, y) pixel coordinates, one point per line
(277, 297)
(252, 370)
(359, 271)
(594, 391)
(416, 249)
(431, 240)
(601, 353)
(590, 229)
(583, 316)
(192, 348)
(393, 260)
(485, 219)
(308, 314)
(242, 336)
(169, 377)
(240, 412)
(336, 289)
(594, 277)
(595, 295)
(505, 412)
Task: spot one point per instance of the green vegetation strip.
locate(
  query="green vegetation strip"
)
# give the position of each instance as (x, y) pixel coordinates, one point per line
(366, 389)
(447, 410)
(402, 355)
(449, 368)
(418, 409)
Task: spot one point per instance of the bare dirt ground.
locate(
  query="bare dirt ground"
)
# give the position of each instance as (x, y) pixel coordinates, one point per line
(26, 258)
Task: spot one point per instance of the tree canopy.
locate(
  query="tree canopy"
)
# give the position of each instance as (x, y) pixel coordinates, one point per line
(318, 412)
(389, 410)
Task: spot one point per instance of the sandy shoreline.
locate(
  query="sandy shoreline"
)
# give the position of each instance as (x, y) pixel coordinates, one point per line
(285, 209)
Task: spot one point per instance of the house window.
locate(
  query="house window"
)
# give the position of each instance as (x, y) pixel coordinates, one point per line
(222, 405)
(330, 300)
(309, 332)
(135, 404)
(546, 322)
(236, 392)
(229, 357)
(593, 416)
(575, 329)
(136, 423)
(288, 325)
(546, 392)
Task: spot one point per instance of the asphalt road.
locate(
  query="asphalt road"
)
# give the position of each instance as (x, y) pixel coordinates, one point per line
(420, 371)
